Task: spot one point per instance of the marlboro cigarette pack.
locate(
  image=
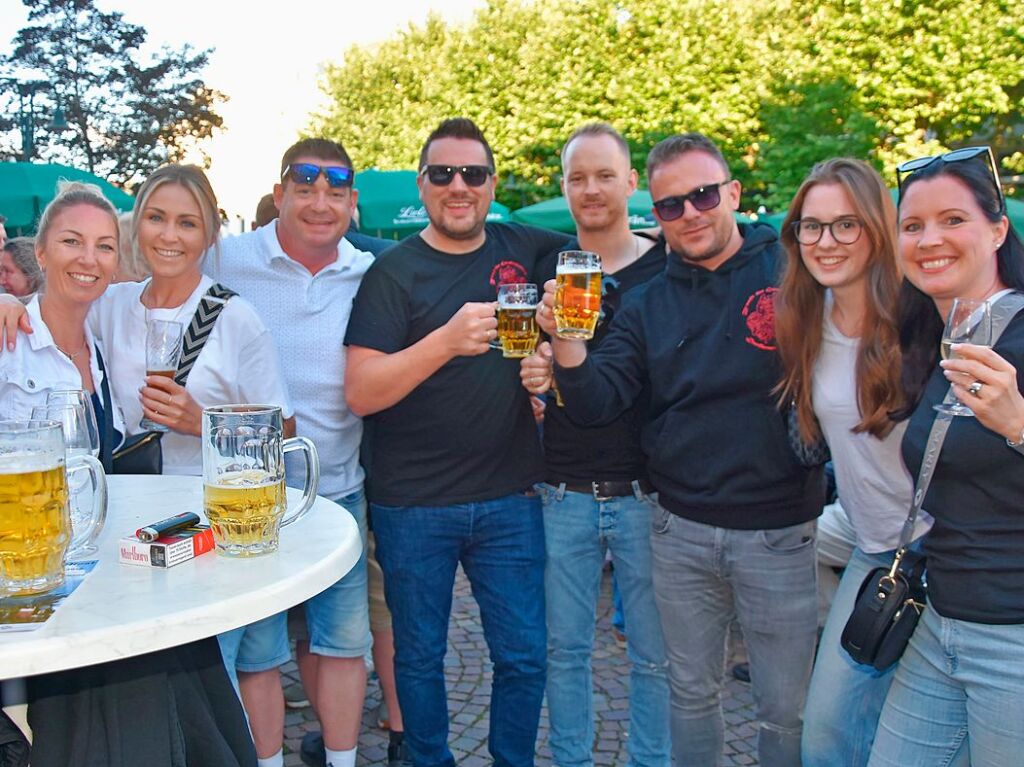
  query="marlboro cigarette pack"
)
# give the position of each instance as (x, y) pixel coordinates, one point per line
(168, 550)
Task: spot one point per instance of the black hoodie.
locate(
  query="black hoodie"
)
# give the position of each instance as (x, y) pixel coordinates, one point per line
(704, 341)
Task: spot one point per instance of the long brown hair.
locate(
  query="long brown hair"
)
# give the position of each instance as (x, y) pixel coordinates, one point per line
(800, 303)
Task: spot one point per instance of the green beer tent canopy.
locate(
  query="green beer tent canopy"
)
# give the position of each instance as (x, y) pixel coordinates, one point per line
(26, 188)
(390, 207)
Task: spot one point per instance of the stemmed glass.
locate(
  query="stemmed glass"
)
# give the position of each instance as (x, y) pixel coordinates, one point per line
(969, 322)
(83, 398)
(79, 439)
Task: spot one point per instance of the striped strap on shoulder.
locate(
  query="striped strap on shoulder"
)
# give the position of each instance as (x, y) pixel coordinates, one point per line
(209, 309)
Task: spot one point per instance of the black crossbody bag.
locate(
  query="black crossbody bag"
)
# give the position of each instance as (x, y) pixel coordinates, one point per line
(143, 453)
(891, 600)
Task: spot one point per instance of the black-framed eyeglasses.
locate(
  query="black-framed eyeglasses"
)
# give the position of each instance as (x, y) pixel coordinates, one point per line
(702, 198)
(443, 175)
(307, 173)
(845, 230)
(907, 169)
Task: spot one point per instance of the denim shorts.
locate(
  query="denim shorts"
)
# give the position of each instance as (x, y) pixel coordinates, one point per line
(337, 618)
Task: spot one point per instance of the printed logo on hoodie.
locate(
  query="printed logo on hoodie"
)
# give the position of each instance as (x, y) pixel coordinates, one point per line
(759, 314)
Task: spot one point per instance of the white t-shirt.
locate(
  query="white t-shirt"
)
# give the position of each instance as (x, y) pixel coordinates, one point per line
(874, 486)
(307, 315)
(36, 367)
(238, 363)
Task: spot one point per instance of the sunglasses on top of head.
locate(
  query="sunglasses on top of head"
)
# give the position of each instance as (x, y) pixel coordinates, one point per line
(307, 173)
(702, 198)
(907, 169)
(443, 175)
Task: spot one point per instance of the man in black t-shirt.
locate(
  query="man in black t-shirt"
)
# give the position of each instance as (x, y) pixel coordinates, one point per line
(454, 447)
(595, 494)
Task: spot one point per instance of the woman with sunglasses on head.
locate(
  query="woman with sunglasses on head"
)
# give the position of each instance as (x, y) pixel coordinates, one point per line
(836, 326)
(958, 688)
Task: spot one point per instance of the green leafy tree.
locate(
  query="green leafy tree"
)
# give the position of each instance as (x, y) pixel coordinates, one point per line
(126, 114)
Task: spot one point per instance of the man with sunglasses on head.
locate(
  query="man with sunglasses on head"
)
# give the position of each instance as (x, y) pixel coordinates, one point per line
(301, 274)
(595, 491)
(733, 534)
(454, 446)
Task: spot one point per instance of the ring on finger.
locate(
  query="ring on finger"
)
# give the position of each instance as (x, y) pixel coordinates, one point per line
(975, 388)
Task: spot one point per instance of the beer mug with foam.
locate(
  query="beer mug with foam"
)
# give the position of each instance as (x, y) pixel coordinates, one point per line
(243, 477)
(35, 523)
(577, 294)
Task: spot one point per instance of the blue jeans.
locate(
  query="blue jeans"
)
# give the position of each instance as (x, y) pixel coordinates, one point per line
(845, 698)
(500, 544)
(577, 529)
(956, 697)
(703, 577)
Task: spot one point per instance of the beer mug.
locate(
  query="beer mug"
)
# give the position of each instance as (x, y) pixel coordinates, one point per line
(577, 294)
(243, 477)
(517, 319)
(35, 524)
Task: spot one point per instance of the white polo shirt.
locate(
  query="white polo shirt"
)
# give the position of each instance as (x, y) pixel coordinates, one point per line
(36, 367)
(307, 315)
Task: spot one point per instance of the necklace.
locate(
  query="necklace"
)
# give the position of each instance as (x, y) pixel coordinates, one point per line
(85, 345)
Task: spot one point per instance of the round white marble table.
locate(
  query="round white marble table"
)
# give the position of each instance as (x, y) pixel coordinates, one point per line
(123, 610)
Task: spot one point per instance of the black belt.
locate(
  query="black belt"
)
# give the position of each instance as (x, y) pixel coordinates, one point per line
(602, 491)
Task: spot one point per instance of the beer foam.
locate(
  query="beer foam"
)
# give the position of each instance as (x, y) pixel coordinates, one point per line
(245, 478)
(562, 269)
(22, 461)
(519, 307)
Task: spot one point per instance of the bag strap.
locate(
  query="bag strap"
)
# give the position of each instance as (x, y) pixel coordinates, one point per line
(1003, 310)
(198, 331)
(106, 439)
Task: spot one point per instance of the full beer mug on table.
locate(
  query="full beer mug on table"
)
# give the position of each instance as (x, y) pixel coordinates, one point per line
(577, 294)
(243, 477)
(35, 523)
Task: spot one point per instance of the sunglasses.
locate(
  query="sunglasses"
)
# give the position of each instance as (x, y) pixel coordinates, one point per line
(443, 175)
(703, 198)
(307, 173)
(907, 169)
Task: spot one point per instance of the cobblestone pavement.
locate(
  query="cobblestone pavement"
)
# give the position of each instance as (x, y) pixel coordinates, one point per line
(468, 674)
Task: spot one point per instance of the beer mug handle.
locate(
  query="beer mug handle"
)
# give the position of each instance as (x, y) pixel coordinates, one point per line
(312, 476)
(99, 507)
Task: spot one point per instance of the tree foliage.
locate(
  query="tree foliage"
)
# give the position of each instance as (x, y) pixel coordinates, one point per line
(779, 85)
(127, 113)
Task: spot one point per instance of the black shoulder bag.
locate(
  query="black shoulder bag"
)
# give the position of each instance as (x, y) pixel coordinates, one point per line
(143, 453)
(890, 601)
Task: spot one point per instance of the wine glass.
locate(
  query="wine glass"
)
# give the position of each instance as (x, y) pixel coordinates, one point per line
(969, 322)
(78, 440)
(83, 398)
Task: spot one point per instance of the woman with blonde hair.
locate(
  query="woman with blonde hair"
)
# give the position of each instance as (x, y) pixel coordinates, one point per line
(836, 327)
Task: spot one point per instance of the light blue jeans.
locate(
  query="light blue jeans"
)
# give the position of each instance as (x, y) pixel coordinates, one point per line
(957, 697)
(704, 576)
(845, 697)
(577, 530)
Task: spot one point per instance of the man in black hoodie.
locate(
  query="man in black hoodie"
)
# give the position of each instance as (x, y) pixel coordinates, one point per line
(734, 534)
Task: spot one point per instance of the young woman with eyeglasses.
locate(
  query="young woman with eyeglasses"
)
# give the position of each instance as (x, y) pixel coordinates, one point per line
(836, 325)
(957, 693)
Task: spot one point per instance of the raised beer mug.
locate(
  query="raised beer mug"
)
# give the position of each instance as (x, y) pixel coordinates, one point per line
(577, 294)
(517, 319)
(35, 524)
(243, 477)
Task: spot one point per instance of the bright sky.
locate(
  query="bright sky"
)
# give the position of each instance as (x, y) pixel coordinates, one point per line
(267, 58)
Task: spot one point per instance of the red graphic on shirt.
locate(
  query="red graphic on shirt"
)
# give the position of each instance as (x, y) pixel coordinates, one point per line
(759, 312)
(508, 273)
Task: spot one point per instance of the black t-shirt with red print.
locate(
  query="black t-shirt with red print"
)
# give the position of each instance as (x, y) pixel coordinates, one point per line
(466, 433)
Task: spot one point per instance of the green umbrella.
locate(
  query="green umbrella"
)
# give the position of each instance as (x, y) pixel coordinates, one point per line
(554, 213)
(27, 187)
(390, 207)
